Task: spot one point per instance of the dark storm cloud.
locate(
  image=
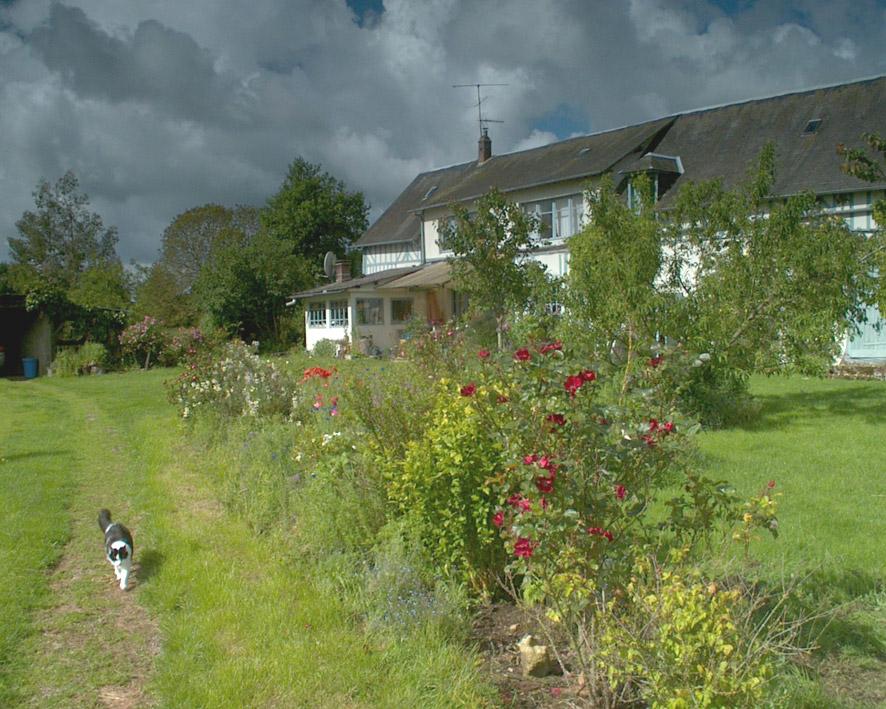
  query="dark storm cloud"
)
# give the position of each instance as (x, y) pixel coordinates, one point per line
(166, 105)
(155, 64)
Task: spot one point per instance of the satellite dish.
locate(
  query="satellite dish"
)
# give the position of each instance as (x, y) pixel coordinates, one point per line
(329, 265)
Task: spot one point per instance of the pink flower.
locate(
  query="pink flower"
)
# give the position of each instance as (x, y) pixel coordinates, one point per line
(529, 459)
(522, 355)
(468, 389)
(650, 440)
(318, 402)
(498, 519)
(551, 347)
(502, 399)
(668, 427)
(484, 354)
(770, 484)
(557, 419)
(523, 547)
(620, 492)
(545, 485)
(544, 462)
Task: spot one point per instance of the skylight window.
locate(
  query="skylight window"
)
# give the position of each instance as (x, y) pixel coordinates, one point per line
(429, 193)
(584, 151)
(812, 127)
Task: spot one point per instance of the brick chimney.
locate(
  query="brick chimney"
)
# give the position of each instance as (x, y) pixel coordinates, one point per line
(484, 147)
(342, 271)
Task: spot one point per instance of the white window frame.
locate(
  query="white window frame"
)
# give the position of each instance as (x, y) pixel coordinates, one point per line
(338, 313)
(314, 310)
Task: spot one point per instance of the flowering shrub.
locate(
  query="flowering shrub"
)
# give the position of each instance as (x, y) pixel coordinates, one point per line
(181, 344)
(143, 340)
(583, 459)
(237, 382)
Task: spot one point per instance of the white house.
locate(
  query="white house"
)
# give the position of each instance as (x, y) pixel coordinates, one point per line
(405, 268)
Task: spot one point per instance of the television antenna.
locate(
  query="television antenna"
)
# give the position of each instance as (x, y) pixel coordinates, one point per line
(482, 121)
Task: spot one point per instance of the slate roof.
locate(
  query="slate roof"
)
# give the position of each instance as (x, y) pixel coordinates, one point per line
(725, 142)
(720, 142)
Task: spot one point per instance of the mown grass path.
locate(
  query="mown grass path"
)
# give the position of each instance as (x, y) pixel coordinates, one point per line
(217, 617)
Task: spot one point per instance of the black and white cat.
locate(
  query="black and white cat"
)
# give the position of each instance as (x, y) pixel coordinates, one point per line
(118, 546)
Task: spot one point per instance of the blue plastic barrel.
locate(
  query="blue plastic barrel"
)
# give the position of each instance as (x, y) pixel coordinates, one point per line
(29, 364)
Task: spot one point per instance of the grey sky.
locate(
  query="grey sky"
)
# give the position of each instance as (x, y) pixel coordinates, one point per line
(164, 105)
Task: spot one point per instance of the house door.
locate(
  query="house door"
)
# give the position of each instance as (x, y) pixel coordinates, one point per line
(869, 343)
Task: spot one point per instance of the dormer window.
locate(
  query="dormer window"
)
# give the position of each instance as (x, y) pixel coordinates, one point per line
(812, 127)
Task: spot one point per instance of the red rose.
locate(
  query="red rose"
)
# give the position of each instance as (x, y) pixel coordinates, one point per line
(468, 390)
(523, 547)
(484, 354)
(529, 459)
(522, 355)
(655, 361)
(551, 347)
(573, 384)
(557, 419)
(588, 375)
(498, 519)
(668, 427)
(620, 492)
(650, 440)
(653, 425)
(517, 501)
(600, 532)
(545, 485)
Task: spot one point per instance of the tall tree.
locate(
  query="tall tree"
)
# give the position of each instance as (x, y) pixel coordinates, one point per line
(491, 260)
(314, 213)
(189, 241)
(60, 240)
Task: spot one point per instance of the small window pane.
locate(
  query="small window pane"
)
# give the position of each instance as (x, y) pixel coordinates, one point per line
(317, 315)
(370, 311)
(338, 313)
(401, 310)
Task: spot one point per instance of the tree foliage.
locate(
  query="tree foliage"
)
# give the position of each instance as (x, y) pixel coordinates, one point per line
(60, 240)
(492, 256)
(759, 284)
(313, 213)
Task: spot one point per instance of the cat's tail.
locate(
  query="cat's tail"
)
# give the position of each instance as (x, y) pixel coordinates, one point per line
(104, 519)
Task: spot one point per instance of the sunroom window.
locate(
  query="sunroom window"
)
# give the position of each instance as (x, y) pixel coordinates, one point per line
(338, 313)
(317, 315)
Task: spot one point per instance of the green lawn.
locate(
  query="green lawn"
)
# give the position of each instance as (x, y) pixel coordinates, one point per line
(824, 444)
(217, 618)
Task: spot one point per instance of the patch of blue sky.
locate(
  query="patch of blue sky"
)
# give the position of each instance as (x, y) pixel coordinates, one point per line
(565, 120)
(367, 11)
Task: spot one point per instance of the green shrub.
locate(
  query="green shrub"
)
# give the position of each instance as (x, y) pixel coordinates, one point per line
(443, 486)
(72, 362)
(325, 349)
(676, 640)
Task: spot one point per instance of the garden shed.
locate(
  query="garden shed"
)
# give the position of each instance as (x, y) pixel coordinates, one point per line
(23, 333)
